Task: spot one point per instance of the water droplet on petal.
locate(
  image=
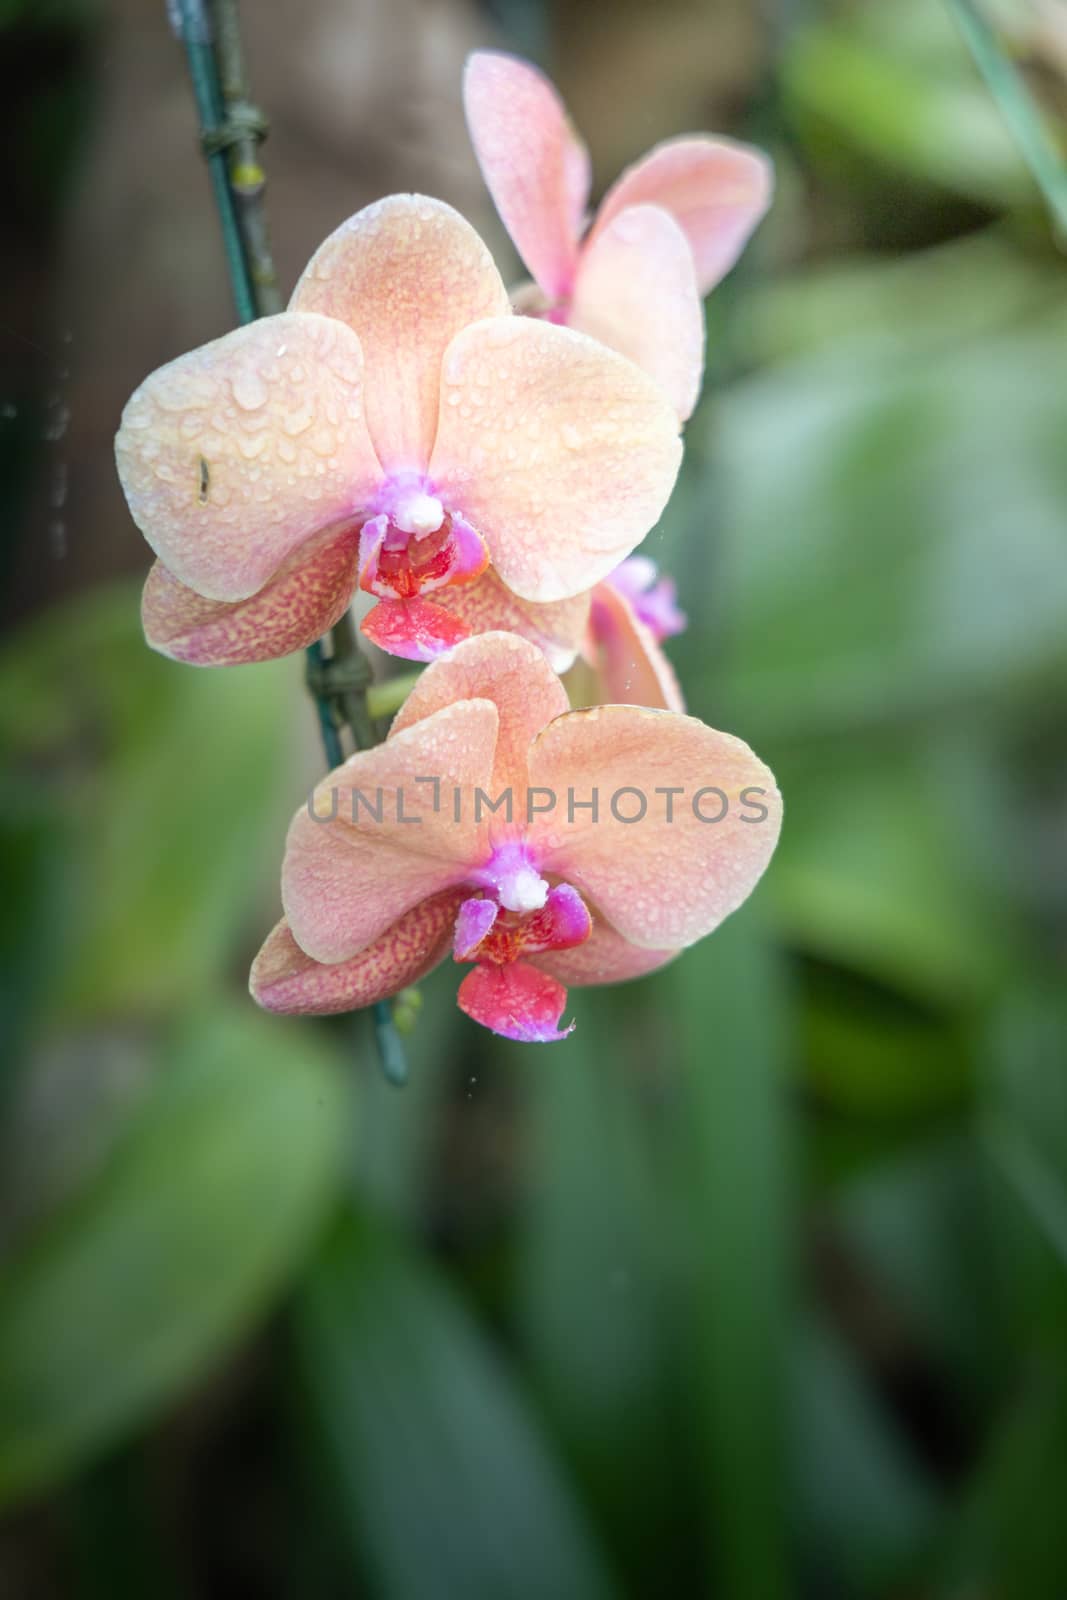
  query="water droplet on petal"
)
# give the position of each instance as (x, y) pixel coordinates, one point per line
(249, 390)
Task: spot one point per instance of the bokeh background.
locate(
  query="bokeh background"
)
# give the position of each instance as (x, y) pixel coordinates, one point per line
(756, 1287)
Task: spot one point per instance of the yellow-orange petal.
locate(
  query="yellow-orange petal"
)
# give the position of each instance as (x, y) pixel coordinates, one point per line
(235, 455)
(556, 627)
(605, 957)
(510, 672)
(559, 451)
(297, 606)
(406, 273)
(380, 833)
(716, 189)
(681, 863)
(285, 979)
(636, 290)
(534, 165)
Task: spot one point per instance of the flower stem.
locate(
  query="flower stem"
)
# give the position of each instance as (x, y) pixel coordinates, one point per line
(230, 129)
(1018, 108)
(385, 699)
(196, 36)
(246, 127)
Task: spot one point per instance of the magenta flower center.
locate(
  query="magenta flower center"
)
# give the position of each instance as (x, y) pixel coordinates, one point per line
(518, 914)
(411, 544)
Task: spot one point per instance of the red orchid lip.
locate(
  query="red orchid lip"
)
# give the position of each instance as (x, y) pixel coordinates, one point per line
(399, 564)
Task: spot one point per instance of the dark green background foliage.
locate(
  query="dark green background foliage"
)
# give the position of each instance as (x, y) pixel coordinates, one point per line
(757, 1286)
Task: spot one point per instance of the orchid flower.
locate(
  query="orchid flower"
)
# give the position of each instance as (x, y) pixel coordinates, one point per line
(666, 232)
(398, 427)
(398, 856)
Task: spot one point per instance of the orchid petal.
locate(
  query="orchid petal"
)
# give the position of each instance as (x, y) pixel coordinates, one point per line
(562, 923)
(633, 669)
(308, 595)
(506, 670)
(285, 979)
(560, 452)
(350, 871)
(556, 627)
(474, 920)
(636, 291)
(517, 1001)
(406, 273)
(534, 165)
(716, 189)
(659, 882)
(235, 455)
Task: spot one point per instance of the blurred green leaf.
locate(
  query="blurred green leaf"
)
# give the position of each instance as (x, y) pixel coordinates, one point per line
(870, 873)
(595, 1270)
(443, 1482)
(1009, 1538)
(1017, 105)
(865, 579)
(177, 1245)
(871, 1053)
(865, 1508)
(895, 84)
(35, 919)
(171, 779)
(919, 1226)
(733, 1023)
(889, 308)
(1023, 1123)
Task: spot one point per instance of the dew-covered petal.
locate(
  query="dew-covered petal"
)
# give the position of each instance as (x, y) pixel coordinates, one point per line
(415, 630)
(605, 957)
(716, 189)
(632, 667)
(285, 979)
(556, 627)
(636, 290)
(659, 882)
(534, 164)
(302, 602)
(348, 878)
(517, 1001)
(559, 451)
(515, 676)
(233, 456)
(407, 273)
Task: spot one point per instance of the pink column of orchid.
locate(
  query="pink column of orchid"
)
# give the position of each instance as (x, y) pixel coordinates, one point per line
(482, 468)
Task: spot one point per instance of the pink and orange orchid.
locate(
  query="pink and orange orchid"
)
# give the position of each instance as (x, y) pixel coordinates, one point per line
(607, 860)
(400, 429)
(666, 232)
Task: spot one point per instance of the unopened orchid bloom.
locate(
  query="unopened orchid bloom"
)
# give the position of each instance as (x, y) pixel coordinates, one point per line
(666, 232)
(627, 835)
(400, 428)
(632, 611)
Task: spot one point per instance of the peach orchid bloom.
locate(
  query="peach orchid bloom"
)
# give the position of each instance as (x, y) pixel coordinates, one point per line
(666, 232)
(398, 427)
(394, 861)
(633, 610)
